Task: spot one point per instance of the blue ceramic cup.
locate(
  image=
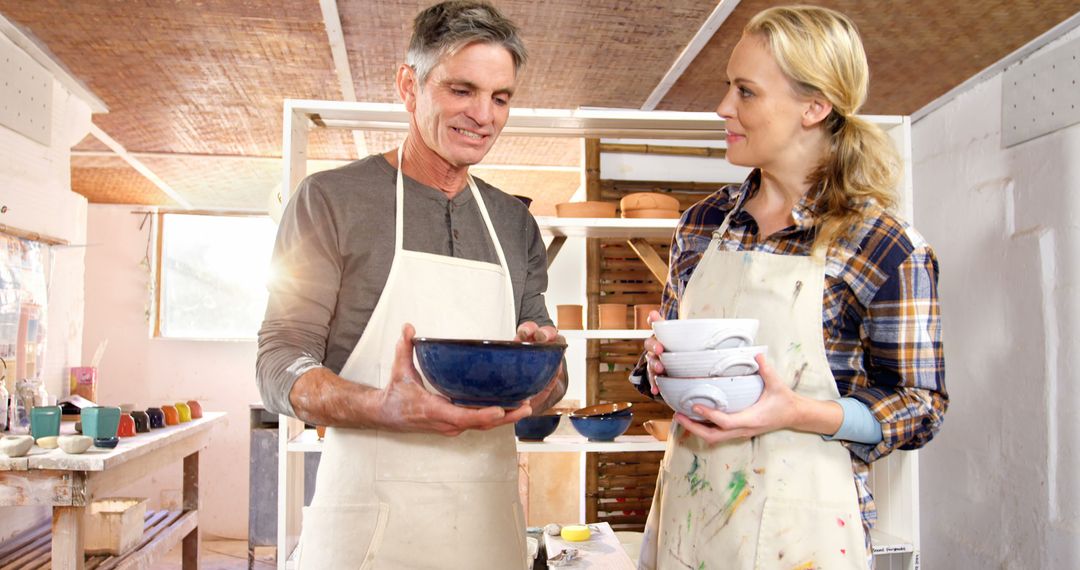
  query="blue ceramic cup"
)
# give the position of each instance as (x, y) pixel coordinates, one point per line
(101, 422)
(45, 421)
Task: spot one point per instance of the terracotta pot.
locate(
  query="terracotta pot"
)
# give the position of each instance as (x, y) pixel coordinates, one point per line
(569, 317)
(641, 315)
(648, 201)
(320, 431)
(172, 416)
(612, 316)
(591, 209)
(196, 409)
(652, 213)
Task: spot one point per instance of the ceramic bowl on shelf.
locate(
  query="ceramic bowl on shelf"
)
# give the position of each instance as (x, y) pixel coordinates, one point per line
(603, 427)
(738, 361)
(658, 428)
(648, 201)
(652, 213)
(587, 209)
(689, 335)
(480, 373)
(536, 428)
(610, 409)
(729, 394)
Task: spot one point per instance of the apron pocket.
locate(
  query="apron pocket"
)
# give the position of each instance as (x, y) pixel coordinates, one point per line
(796, 532)
(342, 536)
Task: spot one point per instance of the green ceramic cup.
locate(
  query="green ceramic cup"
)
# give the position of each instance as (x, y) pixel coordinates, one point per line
(45, 421)
(100, 422)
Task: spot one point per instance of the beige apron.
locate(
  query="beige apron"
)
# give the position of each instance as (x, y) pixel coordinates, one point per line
(390, 500)
(785, 499)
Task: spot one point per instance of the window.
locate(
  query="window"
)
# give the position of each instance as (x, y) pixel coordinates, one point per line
(214, 271)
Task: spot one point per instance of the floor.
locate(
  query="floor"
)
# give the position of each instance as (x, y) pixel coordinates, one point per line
(222, 554)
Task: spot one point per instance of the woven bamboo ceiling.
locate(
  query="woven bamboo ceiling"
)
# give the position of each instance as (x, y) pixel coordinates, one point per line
(195, 88)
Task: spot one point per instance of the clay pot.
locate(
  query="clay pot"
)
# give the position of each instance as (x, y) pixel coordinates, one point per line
(653, 213)
(16, 445)
(74, 444)
(590, 209)
(172, 416)
(320, 431)
(184, 412)
(196, 409)
(641, 316)
(648, 201)
(569, 317)
(126, 427)
(612, 316)
(658, 428)
(157, 417)
(47, 442)
(142, 421)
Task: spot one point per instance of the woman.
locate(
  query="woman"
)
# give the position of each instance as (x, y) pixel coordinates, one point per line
(807, 246)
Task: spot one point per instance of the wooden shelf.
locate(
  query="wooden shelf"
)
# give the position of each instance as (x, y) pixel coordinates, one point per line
(607, 334)
(308, 442)
(625, 228)
(885, 543)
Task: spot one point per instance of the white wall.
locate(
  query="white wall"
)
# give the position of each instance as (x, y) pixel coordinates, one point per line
(149, 372)
(999, 485)
(35, 186)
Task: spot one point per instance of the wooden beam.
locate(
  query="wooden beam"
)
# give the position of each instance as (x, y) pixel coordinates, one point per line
(652, 260)
(67, 538)
(697, 43)
(139, 166)
(666, 150)
(553, 249)
(332, 23)
(191, 504)
(32, 236)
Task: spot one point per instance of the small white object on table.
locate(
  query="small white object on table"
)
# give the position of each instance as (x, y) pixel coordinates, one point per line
(602, 551)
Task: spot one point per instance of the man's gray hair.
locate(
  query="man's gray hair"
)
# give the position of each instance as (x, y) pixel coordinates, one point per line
(446, 27)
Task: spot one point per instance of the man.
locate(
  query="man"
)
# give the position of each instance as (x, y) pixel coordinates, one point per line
(382, 248)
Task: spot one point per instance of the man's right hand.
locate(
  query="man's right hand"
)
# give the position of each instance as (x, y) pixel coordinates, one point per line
(405, 405)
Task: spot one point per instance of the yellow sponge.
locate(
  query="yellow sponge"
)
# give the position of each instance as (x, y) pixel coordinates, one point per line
(576, 533)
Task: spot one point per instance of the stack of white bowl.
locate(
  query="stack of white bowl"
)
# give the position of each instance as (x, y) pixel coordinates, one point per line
(709, 362)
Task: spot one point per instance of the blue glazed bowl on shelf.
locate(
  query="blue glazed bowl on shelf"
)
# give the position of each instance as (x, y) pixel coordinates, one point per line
(602, 428)
(536, 428)
(480, 373)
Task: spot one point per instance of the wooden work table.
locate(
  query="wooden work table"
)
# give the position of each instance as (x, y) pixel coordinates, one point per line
(69, 483)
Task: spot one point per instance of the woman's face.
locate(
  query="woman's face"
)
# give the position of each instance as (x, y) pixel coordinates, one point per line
(763, 114)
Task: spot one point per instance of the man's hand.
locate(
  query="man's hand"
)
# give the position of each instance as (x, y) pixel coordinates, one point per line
(556, 389)
(653, 350)
(405, 405)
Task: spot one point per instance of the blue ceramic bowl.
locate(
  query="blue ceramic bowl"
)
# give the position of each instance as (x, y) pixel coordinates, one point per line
(602, 428)
(482, 373)
(536, 428)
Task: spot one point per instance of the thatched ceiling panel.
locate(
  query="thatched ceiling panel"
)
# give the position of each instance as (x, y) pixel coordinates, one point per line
(918, 50)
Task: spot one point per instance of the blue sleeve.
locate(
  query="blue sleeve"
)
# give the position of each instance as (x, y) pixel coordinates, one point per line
(859, 423)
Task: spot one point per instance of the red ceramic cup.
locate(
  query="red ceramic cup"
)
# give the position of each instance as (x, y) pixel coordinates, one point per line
(172, 416)
(127, 426)
(196, 409)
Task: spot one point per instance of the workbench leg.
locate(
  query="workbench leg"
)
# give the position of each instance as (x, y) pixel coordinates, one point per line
(191, 503)
(67, 538)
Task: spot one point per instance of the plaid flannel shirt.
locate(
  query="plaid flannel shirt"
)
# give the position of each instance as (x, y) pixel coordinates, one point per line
(882, 324)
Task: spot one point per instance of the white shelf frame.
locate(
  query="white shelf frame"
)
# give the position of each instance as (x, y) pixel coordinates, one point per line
(894, 479)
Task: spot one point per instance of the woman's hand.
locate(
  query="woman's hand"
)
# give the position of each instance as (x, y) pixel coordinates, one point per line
(778, 408)
(653, 350)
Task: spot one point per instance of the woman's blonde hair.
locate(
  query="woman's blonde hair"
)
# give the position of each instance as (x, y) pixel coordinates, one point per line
(820, 51)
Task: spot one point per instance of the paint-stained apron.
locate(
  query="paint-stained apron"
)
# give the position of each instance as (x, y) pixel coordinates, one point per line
(785, 499)
(390, 500)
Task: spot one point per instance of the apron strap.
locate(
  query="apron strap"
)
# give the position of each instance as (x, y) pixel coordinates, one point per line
(399, 219)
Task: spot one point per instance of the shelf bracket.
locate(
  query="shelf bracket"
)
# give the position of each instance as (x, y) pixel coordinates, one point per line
(553, 249)
(652, 260)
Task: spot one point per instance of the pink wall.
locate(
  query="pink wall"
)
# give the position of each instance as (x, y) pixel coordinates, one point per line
(148, 372)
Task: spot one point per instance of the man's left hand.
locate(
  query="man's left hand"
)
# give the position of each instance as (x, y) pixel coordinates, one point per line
(554, 391)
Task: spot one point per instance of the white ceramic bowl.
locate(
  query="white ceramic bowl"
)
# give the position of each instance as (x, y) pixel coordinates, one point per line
(689, 335)
(730, 394)
(738, 361)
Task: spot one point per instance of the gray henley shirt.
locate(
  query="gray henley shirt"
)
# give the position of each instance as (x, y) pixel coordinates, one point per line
(333, 252)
